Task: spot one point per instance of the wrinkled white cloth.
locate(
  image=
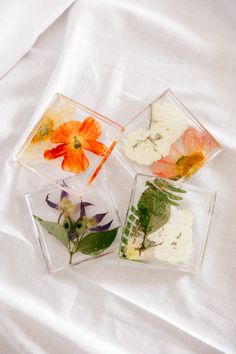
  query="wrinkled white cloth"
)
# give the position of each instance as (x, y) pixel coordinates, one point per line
(116, 57)
(21, 23)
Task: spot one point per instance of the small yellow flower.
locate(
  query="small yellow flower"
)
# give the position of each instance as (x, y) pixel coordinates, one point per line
(91, 222)
(45, 130)
(58, 112)
(67, 207)
(132, 253)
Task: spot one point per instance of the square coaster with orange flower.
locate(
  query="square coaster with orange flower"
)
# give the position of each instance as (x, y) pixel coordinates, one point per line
(69, 139)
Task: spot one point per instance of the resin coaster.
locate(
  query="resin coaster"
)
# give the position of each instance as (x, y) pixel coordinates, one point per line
(167, 224)
(167, 141)
(71, 230)
(69, 139)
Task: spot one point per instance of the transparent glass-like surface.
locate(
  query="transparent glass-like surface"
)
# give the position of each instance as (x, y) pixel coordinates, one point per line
(74, 228)
(167, 141)
(69, 139)
(167, 224)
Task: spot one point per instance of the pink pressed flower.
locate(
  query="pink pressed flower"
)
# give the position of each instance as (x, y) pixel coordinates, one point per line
(186, 156)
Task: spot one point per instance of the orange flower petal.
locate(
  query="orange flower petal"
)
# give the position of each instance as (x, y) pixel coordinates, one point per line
(208, 143)
(75, 161)
(96, 147)
(56, 152)
(192, 141)
(173, 156)
(163, 169)
(65, 132)
(90, 129)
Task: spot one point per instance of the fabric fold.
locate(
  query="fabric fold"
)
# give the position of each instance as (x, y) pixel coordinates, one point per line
(21, 23)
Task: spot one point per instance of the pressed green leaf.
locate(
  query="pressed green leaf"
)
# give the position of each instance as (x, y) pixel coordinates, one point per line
(175, 189)
(173, 196)
(122, 250)
(127, 231)
(157, 221)
(96, 242)
(55, 229)
(167, 185)
(154, 204)
(132, 217)
(125, 240)
(130, 229)
(134, 210)
(154, 210)
(128, 225)
(171, 202)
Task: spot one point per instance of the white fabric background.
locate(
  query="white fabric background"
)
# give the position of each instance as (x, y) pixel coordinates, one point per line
(117, 56)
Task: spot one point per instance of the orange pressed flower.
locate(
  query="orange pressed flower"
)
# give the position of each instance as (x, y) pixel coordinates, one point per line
(52, 118)
(186, 156)
(73, 137)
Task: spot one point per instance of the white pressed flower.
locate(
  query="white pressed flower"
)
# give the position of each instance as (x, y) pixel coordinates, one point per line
(174, 239)
(169, 117)
(147, 146)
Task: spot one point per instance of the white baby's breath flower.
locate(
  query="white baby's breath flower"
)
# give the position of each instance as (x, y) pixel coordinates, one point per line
(168, 117)
(147, 146)
(174, 239)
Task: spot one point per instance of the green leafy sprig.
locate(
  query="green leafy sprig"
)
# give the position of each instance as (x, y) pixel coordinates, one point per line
(154, 204)
(153, 211)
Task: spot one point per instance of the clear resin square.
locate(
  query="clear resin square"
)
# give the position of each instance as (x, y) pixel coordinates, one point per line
(167, 224)
(72, 229)
(69, 139)
(167, 141)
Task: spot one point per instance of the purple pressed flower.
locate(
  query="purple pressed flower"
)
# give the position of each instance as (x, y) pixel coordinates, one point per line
(99, 217)
(51, 204)
(104, 227)
(64, 194)
(66, 206)
(83, 205)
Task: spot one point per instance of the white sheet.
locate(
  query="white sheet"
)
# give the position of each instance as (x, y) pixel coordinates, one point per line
(21, 22)
(116, 57)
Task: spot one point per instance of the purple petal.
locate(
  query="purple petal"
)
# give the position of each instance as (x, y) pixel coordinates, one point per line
(83, 205)
(64, 194)
(87, 204)
(51, 204)
(102, 227)
(99, 217)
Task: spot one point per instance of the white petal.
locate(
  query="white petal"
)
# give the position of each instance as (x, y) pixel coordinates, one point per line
(178, 230)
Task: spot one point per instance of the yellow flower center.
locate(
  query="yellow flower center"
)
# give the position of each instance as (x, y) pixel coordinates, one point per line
(188, 165)
(67, 207)
(76, 143)
(45, 131)
(91, 222)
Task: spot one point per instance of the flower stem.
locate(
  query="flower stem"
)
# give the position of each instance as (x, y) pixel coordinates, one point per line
(58, 221)
(71, 256)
